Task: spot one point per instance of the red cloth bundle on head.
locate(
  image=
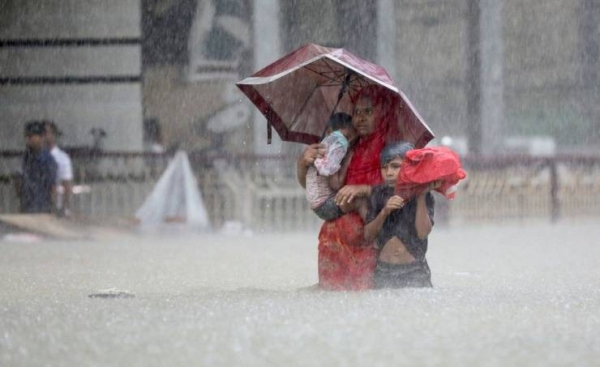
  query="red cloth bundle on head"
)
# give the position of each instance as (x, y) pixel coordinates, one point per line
(421, 167)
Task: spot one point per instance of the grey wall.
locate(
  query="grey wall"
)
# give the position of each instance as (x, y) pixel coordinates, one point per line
(53, 81)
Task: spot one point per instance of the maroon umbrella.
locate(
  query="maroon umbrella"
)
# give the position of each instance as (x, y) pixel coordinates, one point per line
(299, 92)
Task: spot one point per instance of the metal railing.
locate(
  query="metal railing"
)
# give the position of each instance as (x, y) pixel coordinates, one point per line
(521, 187)
(262, 193)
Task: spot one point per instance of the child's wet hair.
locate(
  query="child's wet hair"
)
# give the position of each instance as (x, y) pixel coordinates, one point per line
(339, 120)
(395, 150)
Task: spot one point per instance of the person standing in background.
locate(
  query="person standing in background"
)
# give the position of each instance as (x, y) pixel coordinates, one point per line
(64, 179)
(37, 187)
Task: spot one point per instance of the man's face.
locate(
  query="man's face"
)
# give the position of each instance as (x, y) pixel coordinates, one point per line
(50, 136)
(390, 171)
(34, 141)
(363, 117)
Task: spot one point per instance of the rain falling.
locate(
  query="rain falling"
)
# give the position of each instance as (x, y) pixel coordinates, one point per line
(301, 182)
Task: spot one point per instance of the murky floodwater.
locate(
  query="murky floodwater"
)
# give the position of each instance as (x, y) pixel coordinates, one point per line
(526, 295)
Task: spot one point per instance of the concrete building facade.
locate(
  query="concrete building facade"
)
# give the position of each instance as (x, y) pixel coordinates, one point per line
(548, 62)
(75, 62)
(178, 60)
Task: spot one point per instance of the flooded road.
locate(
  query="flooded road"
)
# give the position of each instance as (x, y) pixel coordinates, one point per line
(525, 295)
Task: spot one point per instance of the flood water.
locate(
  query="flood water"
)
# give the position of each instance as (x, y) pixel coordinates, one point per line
(511, 295)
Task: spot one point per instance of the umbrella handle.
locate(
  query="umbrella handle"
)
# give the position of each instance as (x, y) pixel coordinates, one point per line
(345, 85)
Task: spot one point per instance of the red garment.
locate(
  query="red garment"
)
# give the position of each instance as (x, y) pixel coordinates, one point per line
(346, 260)
(364, 167)
(420, 167)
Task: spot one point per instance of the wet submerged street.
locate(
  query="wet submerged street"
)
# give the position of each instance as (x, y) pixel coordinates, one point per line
(513, 295)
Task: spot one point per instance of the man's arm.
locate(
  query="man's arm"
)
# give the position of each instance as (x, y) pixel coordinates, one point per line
(18, 182)
(54, 196)
(68, 190)
(50, 176)
(67, 184)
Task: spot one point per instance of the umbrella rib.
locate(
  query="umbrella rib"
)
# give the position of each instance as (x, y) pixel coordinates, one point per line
(359, 80)
(337, 77)
(341, 76)
(304, 105)
(356, 81)
(328, 78)
(325, 72)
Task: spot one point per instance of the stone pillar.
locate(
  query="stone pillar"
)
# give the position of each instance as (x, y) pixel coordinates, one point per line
(386, 36)
(485, 84)
(267, 48)
(473, 76)
(75, 62)
(492, 76)
(590, 56)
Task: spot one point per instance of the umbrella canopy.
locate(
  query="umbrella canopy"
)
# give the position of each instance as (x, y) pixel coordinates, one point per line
(299, 92)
